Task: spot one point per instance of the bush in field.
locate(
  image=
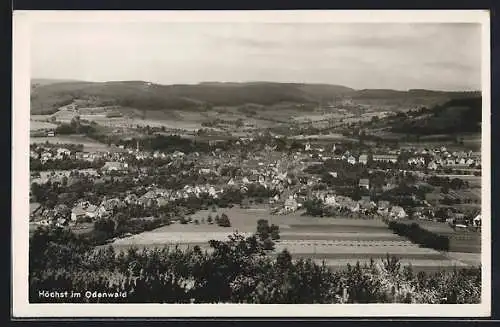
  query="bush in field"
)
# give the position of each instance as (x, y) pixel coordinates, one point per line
(224, 221)
(268, 244)
(275, 232)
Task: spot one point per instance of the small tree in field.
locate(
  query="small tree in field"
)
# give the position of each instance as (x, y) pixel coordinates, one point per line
(275, 232)
(209, 219)
(268, 244)
(217, 219)
(262, 229)
(224, 221)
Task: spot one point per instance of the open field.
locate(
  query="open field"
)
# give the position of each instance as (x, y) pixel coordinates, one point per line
(36, 125)
(474, 181)
(337, 241)
(331, 136)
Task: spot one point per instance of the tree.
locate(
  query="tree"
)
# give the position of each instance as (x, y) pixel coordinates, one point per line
(209, 219)
(224, 221)
(275, 232)
(106, 226)
(268, 244)
(284, 259)
(262, 229)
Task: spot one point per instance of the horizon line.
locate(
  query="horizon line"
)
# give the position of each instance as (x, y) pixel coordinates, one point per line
(64, 80)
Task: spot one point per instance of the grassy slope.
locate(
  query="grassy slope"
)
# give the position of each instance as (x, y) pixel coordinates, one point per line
(456, 116)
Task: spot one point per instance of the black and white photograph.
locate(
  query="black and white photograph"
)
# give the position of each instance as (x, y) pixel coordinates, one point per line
(203, 162)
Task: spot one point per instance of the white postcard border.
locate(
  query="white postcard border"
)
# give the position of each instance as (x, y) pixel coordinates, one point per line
(22, 21)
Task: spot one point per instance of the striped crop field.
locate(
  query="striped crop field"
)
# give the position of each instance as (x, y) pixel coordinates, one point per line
(334, 241)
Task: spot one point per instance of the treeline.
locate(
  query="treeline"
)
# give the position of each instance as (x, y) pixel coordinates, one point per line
(421, 236)
(167, 143)
(76, 126)
(233, 271)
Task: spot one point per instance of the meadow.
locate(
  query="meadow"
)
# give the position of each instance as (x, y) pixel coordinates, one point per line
(37, 125)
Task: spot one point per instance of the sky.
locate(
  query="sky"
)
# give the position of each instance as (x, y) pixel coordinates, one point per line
(401, 56)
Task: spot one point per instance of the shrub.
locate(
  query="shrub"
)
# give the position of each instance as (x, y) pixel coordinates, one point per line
(275, 232)
(224, 221)
(268, 244)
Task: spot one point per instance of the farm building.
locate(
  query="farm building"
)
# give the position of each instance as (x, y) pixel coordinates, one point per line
(477, 220)
(432, 165)
(82, 210)
(291, 205)
(385, 158)
(398, 212)
(364, 183)
(114, 166)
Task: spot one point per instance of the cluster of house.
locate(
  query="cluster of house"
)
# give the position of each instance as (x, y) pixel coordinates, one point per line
(364, 205)
(435, 158)
(329, 199)
(441, 157)
(49, 154)
(61, 215)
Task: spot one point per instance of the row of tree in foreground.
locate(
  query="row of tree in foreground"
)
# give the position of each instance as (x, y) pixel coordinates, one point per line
(238, 270)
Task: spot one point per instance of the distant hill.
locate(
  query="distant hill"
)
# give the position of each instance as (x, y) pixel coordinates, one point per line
(49, 95)
(413, 93)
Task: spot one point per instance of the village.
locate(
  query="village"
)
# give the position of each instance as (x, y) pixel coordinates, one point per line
(285, 180)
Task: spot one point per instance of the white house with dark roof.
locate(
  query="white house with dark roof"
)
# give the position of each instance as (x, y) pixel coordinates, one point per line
(385, 158)
(364, 183)
(351, 160)
(82, 210)
(363, 159)
(115, 166)
(291, 204)
(397, 212)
